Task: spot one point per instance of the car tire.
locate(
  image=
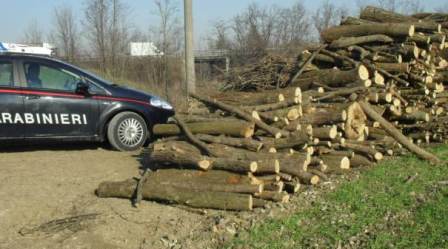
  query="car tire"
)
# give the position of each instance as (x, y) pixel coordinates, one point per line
(127, 131)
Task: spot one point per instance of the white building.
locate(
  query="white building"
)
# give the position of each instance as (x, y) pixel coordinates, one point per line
(144, 49)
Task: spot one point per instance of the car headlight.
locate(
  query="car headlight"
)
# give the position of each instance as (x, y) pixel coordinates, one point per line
(158, 102)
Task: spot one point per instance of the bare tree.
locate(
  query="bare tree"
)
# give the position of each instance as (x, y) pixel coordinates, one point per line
(96, 22)
(220, 36)
(168, 32)
(292, 26)
(107, 30)
(118, 33)
(253, 29)
(33, 34)
(169, 36)
(65, 33)
(328, 15)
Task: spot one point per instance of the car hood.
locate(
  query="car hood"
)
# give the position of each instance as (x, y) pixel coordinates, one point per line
(127, 92)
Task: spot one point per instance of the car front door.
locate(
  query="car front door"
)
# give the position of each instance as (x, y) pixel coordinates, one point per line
(52, 104)
(11, 101)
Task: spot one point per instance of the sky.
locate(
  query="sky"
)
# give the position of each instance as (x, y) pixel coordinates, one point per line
(16, 15)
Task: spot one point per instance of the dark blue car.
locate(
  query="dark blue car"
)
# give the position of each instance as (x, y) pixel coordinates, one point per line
(45, 98)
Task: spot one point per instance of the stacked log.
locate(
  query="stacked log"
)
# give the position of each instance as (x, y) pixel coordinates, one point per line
(374, 90)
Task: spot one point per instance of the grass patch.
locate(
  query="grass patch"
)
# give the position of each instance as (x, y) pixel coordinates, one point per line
(379, 210)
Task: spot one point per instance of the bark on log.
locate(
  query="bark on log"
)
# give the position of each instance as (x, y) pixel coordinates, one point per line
(398, 135)
(376, 14)
(195, 141)
(384, 16)
(277, 133)
(393, 30)
(197, 199)
(298, 139)
(310, 59)
(309, 179)
(246, 143)
(258, 98)
(394, 67)
(359, 161)
(179, 153)
(273, 196)
(332, 77)
(206, 177)
(336, 164)
(236, 129)
(365, 150)
(344, 42)
(325, 133)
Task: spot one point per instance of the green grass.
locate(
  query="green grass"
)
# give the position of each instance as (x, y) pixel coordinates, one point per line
(379, 210)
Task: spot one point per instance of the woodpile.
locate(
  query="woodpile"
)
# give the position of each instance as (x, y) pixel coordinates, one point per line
(375, 89)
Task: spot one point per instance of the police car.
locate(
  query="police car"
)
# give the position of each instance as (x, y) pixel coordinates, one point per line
(45, 98)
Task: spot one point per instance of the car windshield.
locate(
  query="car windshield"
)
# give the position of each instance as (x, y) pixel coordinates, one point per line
(92, 75)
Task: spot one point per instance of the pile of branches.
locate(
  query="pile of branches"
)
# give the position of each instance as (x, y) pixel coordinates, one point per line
(375, 89)
(270, 73)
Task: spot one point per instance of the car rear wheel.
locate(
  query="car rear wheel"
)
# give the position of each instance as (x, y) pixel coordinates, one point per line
(127, 131)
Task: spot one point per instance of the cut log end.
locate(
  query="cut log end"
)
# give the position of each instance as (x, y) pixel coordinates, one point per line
(314, 180)
(363, 72)
(253, 167)
(345, 163)
(204, 164)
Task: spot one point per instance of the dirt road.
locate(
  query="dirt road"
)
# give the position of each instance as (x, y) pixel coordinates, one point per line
(39, 185)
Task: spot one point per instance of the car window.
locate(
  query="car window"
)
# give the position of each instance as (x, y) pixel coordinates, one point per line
(6, 75)
(43, 76)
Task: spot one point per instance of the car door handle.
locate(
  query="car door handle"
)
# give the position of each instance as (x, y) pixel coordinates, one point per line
(32, 97)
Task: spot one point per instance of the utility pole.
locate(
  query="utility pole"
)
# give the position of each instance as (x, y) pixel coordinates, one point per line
(189, 46)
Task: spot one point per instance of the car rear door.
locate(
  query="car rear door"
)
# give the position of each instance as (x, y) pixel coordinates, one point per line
(11, 101)
(57, 110)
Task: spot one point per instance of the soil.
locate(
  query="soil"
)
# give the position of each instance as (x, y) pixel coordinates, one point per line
(40, 185)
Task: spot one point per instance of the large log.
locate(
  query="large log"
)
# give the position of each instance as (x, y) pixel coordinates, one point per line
(197, 199)
(198, 143)
(332, 77)
(178, 153)
(207, 177)
(235, 128)
(344, 42)
(246, 143)
(258, 98)
(184, 154)
(375, 14)
(204, 181)
(277, 133)
(393, 30)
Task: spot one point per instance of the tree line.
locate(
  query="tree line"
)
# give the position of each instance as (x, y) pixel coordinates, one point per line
(100, 34)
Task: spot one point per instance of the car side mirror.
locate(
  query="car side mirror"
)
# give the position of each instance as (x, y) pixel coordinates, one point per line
(82, 88)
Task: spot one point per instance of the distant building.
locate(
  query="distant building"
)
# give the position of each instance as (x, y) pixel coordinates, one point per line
(144, 49)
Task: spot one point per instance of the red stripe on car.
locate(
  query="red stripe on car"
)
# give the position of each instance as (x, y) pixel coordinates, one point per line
(71, 95)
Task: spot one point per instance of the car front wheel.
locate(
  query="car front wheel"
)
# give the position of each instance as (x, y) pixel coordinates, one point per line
(127, 131)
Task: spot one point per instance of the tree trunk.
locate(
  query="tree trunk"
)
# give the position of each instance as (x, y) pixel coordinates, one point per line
(394, 30)
(245, 143)
(344, 42)
(196, 199)
(398, 135)
(277, 133)
(331, 77)
(236, 129)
